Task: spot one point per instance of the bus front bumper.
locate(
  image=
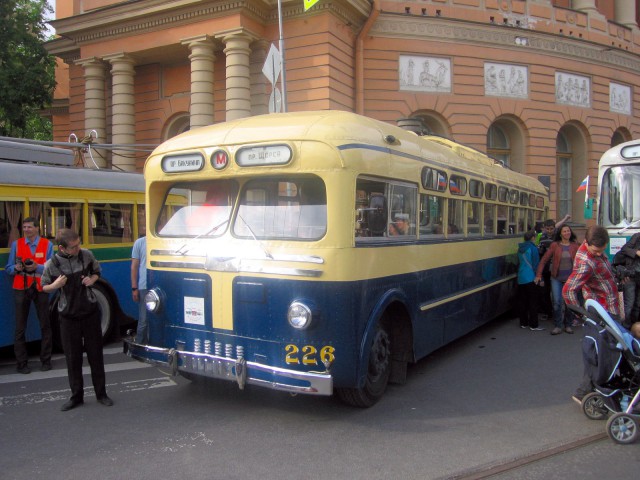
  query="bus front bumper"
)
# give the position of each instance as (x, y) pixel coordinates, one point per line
(231, 369)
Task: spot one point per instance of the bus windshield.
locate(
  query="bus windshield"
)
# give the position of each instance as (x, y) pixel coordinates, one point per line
(620, 196)
(268, 208)
(204, 211)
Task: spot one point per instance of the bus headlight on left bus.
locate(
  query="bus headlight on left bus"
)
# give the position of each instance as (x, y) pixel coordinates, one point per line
(299, 315)
(152, 300)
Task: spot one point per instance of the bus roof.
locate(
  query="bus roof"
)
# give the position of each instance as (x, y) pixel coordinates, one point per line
(338, 128)
(623, 153)
(21, 150)
(69, 177)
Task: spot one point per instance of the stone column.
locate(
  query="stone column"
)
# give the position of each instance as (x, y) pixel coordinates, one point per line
(584, 5)
(202, 58)
(95, 116)
(123, 116)
(260, 88)
(238, 75)
(625, 13)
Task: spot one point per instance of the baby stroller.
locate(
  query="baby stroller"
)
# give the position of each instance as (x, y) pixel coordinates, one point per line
(612, 358)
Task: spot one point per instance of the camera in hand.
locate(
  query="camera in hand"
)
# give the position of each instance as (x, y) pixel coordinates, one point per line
(26, 263)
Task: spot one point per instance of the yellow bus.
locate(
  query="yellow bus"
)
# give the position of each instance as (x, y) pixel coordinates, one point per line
(321, 252)
(105, 207)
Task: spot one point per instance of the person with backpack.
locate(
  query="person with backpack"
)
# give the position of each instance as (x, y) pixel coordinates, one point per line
(626, 264)
(527, 294)
(73, 271)
(544, 240)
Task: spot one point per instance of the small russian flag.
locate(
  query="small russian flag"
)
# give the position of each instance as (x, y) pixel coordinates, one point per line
(584, 185)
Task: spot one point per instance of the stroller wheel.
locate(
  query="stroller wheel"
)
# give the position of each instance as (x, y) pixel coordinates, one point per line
(622, 428)
(593, 406)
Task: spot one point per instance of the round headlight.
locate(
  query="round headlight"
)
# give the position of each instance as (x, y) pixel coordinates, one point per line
(152, 301)
(299, 315)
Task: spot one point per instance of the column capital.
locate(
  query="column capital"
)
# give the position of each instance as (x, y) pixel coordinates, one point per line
(90, 62)
(238, 33)
(119, 58)
(198, 40)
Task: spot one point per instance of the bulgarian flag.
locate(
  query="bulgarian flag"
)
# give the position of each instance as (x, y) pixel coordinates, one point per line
(584, 186)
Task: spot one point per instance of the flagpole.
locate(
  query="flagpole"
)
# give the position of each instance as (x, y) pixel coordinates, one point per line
(586, 191)
(283, 80)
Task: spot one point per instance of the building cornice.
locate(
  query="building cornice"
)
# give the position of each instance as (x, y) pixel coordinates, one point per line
(131, 18)
(441, 30)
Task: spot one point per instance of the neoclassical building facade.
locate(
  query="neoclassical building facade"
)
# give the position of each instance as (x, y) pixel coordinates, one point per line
(544, 85)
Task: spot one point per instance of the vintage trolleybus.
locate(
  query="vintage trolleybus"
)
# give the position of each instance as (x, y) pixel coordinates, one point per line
(105, 207)
(323, 251)
(619, 193)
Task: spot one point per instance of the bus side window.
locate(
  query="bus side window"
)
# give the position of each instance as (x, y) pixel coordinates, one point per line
(489, 219)
(502, 220)
(377, 214)
(456, 217)
(431, 215)
(473, 218)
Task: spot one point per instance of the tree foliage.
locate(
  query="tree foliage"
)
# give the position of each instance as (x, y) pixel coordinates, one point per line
(27, 71)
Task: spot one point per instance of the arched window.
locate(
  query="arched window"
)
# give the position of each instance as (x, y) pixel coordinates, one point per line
(563, 162)
(177, 125)
(498, 145)
(617, 138)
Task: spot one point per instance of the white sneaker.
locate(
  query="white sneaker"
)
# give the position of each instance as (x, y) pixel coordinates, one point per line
(536, 329)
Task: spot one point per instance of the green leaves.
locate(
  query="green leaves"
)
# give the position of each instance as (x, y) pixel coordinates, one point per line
(27, 71)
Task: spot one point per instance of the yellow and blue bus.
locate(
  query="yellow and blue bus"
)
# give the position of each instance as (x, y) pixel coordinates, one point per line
(322, 252)
(619, 193)
(106, 207)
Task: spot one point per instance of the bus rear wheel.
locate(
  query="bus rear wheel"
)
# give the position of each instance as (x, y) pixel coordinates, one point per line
(378, 370)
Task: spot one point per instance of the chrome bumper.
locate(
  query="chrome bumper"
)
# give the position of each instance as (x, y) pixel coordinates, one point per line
(231, 369)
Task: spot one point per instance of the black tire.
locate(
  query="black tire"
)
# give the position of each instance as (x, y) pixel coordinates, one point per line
(378, 370)
(593, 406)
(107, 317)
(622, 428)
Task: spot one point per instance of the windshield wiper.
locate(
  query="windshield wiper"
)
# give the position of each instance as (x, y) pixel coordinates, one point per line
(264, 249)
(208, 232)
(631, 225)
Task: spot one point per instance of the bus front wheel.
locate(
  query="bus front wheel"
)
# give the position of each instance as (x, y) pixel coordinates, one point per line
(378, 370)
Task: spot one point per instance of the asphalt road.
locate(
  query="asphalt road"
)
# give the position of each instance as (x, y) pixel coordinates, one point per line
(495, 404)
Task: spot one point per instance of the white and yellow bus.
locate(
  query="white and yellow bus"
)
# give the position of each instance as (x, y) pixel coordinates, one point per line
(619, 193)
(323, 251)
(105, 207)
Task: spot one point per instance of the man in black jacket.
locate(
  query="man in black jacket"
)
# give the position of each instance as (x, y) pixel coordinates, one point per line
(74, 271)
(631, 282)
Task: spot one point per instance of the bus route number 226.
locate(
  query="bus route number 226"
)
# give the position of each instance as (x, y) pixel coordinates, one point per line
(309, 355)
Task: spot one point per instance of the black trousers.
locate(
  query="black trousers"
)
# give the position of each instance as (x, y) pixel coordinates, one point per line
(527, 297)
(80, 334)
(22, 306)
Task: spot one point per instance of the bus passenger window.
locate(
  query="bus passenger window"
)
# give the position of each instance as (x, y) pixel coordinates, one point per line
(489, 219)
(473, 218)
(456, 217)
(59, 215)
(502, 220)
(110, 223)
(431, 213)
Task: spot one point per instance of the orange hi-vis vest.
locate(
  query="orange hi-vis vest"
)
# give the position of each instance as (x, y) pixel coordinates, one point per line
(23, 250)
